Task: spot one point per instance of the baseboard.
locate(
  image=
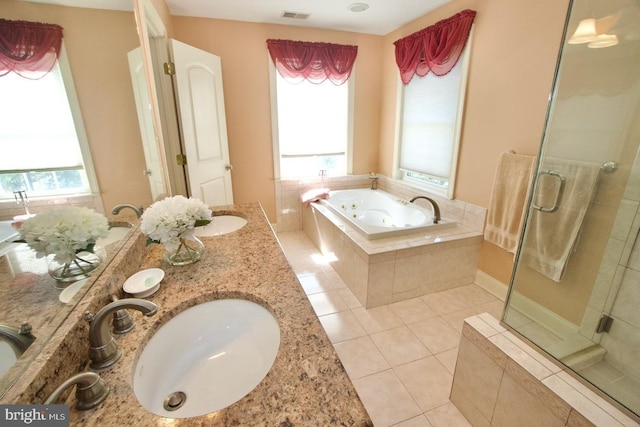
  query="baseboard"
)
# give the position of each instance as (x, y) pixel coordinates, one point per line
(491, 285)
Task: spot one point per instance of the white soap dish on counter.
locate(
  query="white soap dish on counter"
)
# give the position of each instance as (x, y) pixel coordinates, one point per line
(144, 283)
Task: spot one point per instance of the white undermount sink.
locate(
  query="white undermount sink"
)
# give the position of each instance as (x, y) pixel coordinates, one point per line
(206, 358)
(221, 224)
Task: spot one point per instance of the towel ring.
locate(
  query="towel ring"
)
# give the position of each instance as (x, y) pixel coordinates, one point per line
(556, 202)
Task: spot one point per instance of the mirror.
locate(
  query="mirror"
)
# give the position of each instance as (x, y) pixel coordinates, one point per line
(97, 43)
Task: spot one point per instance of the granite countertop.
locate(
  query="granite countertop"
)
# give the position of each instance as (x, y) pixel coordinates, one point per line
(306, 386)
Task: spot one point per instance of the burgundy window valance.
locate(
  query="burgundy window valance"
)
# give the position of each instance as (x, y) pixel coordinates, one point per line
(436, 48)
(29, 49)
(316, 62)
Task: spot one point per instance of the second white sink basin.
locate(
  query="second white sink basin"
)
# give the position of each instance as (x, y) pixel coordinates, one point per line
(206, 358)
(221, 224)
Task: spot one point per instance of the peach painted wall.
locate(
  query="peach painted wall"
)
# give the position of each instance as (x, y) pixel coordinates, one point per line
(513, 59)
(243, 51)
(97, 43)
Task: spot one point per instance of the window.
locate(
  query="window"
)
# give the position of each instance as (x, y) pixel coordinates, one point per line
(40, 144)
(312, 127)
(430, 122)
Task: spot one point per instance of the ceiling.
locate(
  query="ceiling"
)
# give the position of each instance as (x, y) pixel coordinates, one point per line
(381, 17)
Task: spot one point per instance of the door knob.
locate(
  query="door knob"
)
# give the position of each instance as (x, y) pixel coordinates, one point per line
(228, 167)
(146, 172)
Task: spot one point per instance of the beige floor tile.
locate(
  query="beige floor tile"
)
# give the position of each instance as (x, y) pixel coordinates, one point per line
(342, 326)
(360, 357)
(327, 302)
(412, 310)
(420, 421)
(336, 279)
(317, 282)
(494, 308)
(387, 401)
(399, 346)
(349, 298)
(473, 295)
(377, 319)
(303, 266)
(444, 302)
(456, 319)
(428, 382)
(436, 334)
(447, 416)
(448, 359)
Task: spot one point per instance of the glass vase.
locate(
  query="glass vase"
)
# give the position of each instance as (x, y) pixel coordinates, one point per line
(83, 264)
(189, 251)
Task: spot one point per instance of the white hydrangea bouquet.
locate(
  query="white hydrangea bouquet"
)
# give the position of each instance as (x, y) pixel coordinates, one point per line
(66, 233)
(171, 222)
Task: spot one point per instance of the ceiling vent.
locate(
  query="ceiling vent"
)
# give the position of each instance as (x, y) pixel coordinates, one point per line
(294, 15)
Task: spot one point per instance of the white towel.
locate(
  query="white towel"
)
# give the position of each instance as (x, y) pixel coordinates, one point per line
(551, 236)
(508, 198)
(314, 195)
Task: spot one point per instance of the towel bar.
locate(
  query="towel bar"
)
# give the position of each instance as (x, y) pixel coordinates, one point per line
(556, 202)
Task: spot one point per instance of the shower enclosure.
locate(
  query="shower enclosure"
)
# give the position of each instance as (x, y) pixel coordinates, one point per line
(575, 290)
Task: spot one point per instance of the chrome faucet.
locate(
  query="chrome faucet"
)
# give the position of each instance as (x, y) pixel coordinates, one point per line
(137, 209)
(103, 350)
(91, 390)
(434, 206)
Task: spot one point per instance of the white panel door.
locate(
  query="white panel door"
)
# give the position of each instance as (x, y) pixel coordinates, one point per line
(200, 100)
(145, 121)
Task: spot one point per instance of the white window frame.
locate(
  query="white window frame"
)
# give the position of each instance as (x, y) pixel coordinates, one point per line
(402, 174)
(83, 141)
(274, 120)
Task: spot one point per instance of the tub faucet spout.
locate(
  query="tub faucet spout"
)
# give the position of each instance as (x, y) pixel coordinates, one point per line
(434, 206)
(103, 350)
(117, 208)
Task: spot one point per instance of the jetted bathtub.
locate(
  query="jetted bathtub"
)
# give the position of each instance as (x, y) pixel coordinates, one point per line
(377, 214)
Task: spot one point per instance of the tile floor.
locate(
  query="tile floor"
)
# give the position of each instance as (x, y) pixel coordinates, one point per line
(401, 356)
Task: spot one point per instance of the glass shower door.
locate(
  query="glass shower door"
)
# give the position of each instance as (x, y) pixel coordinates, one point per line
(575, 291)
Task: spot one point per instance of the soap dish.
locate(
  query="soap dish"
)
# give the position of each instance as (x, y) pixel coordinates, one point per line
(144, 283)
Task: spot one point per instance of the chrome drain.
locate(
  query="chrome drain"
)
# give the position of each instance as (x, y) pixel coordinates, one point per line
(174, 401)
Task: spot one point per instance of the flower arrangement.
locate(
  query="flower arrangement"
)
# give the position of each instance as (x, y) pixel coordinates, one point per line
(64, 232)
(170, 221)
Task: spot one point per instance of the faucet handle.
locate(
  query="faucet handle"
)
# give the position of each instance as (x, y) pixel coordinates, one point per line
(122, 320)
(91, 390)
